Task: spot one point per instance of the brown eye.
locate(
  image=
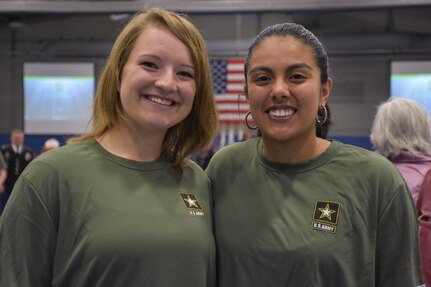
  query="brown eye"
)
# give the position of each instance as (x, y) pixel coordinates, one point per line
(262, 79)
(298, 77)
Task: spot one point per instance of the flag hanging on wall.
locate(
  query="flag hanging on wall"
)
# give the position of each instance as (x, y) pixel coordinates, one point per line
(228, 82)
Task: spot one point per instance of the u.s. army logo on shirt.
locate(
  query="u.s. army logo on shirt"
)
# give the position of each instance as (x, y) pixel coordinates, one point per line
(192, 204)
(325, 216)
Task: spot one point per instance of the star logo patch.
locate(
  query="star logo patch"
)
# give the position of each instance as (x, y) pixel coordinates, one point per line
(192, 204)
(325, 216)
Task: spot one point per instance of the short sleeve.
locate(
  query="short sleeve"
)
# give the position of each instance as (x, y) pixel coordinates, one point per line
(27, 239)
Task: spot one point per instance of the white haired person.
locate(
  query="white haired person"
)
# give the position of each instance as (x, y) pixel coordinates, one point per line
(50, 144)
(401, 132)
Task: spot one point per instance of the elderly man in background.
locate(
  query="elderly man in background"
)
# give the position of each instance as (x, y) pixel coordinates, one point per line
(17, 156)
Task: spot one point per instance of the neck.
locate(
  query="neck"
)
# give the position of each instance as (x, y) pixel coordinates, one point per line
(294, 151)
(126, 142)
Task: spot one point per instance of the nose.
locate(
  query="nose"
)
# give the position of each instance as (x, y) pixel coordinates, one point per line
(280, 89)
(166, 80)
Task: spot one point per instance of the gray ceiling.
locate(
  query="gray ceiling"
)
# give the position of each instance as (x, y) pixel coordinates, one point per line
(346, 27)
(199, 6)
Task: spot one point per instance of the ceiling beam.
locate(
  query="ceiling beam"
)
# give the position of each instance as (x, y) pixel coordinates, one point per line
(194, 6)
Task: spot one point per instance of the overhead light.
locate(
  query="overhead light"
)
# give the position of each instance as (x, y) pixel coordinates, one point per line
(16, 24)
(119, 17)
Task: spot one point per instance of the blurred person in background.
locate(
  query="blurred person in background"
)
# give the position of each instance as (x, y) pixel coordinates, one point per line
(17, 156)
(50, 144)
(203, 157)
(401, 132)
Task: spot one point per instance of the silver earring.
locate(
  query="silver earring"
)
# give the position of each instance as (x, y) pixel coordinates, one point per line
(325, 116)
(246, 121)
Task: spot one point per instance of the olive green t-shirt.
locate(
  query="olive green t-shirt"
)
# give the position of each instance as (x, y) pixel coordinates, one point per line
(345, 219)
(80, 216)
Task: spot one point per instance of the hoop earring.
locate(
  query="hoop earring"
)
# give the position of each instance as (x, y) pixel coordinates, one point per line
(246, 121)
(325, 116)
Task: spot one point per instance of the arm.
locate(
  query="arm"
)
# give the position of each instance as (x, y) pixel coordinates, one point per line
(3, 175)
(397, 249)
(27, 240)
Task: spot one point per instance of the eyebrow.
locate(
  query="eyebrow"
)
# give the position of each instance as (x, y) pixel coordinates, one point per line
(289, 69)
(299, 66)
(158, 58)
(192, 66)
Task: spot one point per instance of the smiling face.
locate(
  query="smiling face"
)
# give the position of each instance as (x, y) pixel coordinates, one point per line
(284, 89)
(157, 83)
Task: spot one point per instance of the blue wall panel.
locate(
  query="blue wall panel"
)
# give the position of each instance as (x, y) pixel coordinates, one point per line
(36, 141)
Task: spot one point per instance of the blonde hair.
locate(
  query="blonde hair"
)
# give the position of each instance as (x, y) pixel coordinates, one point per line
(401, 124)
(198, 128)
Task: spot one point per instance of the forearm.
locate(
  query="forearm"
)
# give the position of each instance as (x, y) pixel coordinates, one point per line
(3, 175)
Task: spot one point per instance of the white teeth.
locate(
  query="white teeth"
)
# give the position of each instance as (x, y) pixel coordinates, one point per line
(161, 101)
(281, 113)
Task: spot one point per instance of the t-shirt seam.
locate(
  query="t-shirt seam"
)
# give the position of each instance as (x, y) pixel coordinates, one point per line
(397, 191)
(33, 189)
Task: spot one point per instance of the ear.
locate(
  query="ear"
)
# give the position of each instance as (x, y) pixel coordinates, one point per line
(325, 92)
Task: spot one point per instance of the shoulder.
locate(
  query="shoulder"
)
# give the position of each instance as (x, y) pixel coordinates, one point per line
(69, 156)
(5, 147)
(66, 150)
(361, 156)
(233, 158)
(369, 165)
(368, 177)
(237, 151)
(7, 151)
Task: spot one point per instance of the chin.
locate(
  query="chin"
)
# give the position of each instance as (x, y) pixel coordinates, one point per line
(278, 135)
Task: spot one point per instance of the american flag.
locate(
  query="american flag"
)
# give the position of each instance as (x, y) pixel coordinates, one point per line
(228, 81)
